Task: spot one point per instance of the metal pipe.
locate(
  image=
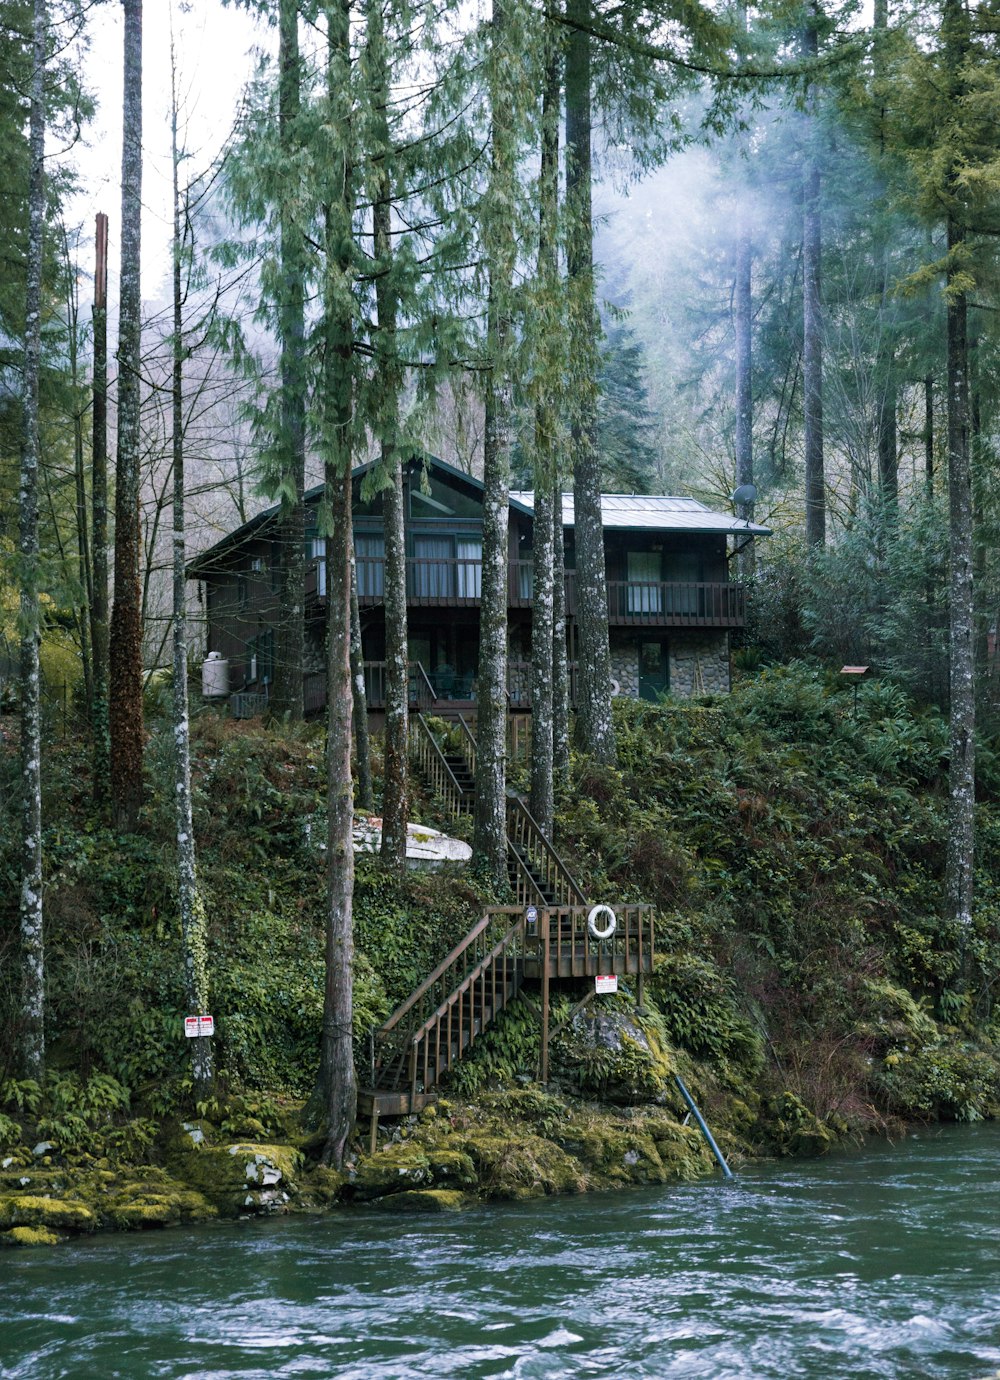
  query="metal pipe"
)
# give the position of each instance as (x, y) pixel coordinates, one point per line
(727, 1173)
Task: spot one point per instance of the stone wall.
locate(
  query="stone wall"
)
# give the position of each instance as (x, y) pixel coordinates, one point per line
(699, 662)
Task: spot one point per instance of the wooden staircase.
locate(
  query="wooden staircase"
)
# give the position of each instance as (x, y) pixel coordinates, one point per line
(544, 934)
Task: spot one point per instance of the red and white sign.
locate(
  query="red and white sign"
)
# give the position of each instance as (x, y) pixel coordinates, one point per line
(195, 1026)
(608, 983)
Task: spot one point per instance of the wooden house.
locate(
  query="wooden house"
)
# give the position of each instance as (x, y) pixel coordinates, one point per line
(671, 602)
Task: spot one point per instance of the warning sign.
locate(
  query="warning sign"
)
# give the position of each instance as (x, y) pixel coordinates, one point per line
(195, 1026)
(606, 984)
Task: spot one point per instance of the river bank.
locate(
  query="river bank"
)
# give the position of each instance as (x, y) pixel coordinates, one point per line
(877, 1263)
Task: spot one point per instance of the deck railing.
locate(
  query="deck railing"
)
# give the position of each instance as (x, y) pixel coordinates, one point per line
(574, 952)
(429, 757)
(414, 1020)
(539, 859)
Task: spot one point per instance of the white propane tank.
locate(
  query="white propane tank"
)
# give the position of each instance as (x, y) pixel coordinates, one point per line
(214, 677)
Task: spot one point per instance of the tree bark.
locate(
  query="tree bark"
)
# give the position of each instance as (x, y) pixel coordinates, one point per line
(31, 919)
(959, 879)
(99, 523)
(362, 742)
(190, 904)
(337, 1082)
(812, 309)
(546, 462)
(743, 324)
(395, 775)
(125, 653)
(560, 655)
(490, 823)
(286, 696)
(594, 723)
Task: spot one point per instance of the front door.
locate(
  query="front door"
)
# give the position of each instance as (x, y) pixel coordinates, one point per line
(654, 669)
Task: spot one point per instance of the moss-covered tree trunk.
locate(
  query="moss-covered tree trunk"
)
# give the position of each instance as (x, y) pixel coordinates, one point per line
(337, 1084)
(959, 880)
(99, 521)
(286, 692)
(490, 825)
(743, 325)
(125, 651)
(812, 310)
(560, 652)
(190, 905)
(546, 457)
(32, 930)
(593, 710)
(362, 742)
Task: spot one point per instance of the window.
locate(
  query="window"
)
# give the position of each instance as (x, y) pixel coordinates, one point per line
(469, 570)
(683, 572)
(645, 594)
(317, 553)
(432, 567)
(369, 558)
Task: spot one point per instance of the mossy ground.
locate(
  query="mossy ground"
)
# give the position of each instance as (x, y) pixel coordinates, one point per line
(809, 985)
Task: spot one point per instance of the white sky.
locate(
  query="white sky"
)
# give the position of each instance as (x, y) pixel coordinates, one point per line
(216, 57)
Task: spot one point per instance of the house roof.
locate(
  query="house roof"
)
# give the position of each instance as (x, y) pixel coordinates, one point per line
(637, 512)
(630, 512)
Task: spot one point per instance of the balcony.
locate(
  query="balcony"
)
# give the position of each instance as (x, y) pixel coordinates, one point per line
(441, 583)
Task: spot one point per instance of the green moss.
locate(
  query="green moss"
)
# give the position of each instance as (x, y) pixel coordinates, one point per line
(241, 1177)
(322, 1187)
(29, 1236)
(26, 1210)
(396, 1168)
(522, 1166)
(426, 1200)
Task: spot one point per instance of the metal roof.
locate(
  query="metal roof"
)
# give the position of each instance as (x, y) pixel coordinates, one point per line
(656, 512)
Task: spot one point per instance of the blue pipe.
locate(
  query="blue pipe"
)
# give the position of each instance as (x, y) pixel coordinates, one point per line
(727, 1173)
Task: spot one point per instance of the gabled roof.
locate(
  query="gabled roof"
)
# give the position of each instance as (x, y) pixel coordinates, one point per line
(654, 512)
(626, 512)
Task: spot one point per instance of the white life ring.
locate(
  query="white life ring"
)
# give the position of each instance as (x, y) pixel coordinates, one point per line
(615, 688)
(611, 926)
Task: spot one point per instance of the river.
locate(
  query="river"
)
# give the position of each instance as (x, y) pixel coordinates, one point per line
(880, 1263)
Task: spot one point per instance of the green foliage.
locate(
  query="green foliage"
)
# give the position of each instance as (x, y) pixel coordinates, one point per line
(700, 1012)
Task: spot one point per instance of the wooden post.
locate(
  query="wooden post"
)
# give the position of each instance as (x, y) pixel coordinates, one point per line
(543, 1058)
(373, 1136)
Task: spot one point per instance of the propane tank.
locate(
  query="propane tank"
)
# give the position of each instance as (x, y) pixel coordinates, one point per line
(214, 677)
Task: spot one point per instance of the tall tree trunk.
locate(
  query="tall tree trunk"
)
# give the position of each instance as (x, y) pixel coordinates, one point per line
(560, 655)
(99, 522)
(337, 1084)
(962, 700)
(812, 309)
(886, 429)
(395, 775)
(190, 904)
(362, 742)
(126, 618)
(929, 435)
(490, 823)
(286, 693)
(743, 324)
(83, 566)
(594, 723)
(32, 929)
(546, 465)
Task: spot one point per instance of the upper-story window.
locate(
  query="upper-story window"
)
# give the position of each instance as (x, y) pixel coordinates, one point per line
(645, 573)
(435, 500)
(369, 561)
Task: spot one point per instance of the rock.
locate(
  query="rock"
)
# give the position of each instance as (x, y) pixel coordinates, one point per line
(43, 1147)
(26, 1210)
(224, 1173)
(29, 1236)
(425, 1200)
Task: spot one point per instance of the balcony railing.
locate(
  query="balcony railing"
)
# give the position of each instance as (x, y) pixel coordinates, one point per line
(433, 582)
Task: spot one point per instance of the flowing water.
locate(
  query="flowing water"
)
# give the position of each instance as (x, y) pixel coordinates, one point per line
(884, 1263)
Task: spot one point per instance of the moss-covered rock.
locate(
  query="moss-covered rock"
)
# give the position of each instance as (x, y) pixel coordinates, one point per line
(29, 1236)
(246, 1177)
(322, 1187)
(522, 1166)
(27, 1210)
(397, 1168)
(425, 1200)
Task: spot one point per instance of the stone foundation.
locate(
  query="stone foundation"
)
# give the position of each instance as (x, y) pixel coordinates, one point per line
(699, 662)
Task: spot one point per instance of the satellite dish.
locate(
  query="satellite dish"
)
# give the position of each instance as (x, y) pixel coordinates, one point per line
(746, 493)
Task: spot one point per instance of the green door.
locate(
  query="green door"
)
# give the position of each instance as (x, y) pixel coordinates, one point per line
(654, 669)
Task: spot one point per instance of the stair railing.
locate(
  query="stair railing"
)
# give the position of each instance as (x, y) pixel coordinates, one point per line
(427, 754)
(532, 849)
(393, 1036)
(469, 1010)
(468, 744)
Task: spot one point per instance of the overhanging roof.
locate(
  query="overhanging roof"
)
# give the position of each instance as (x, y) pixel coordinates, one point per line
(654, 512)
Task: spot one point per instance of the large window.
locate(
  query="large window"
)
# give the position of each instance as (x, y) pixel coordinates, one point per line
(645, 592)
(469, 571)
(432, 568)
(369, 557)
